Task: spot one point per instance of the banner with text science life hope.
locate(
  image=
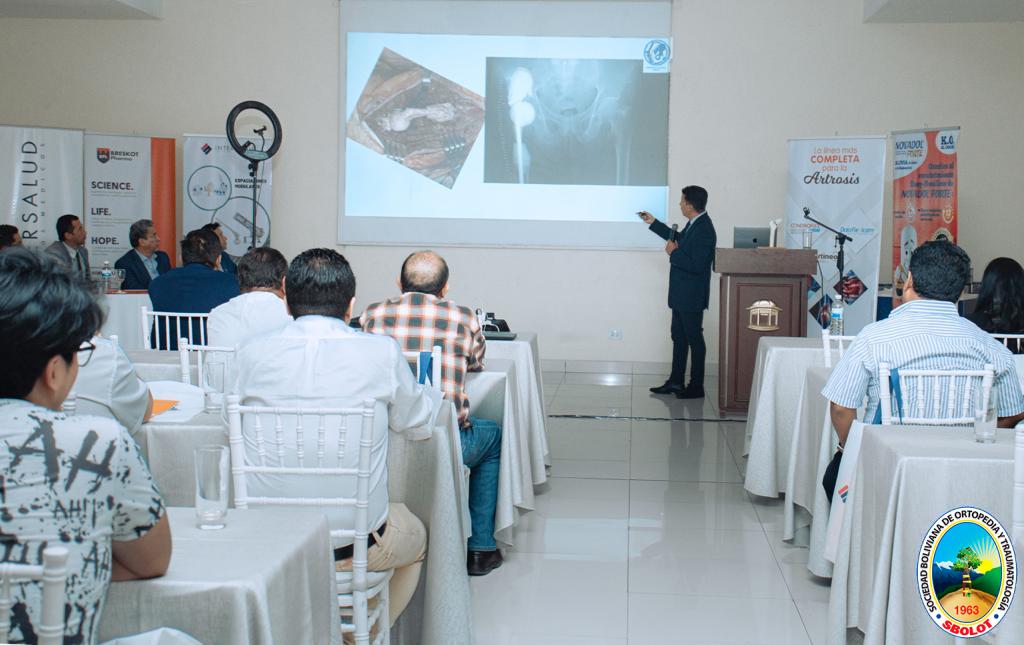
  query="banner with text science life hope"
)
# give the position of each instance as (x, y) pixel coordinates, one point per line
(42, 171)
(840, 181)
(218, 188)
(924, 192)
(127, 178)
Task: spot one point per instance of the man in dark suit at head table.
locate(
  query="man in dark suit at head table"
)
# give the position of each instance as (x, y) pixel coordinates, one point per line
(69, 249)
(145, 261)
(691, 252)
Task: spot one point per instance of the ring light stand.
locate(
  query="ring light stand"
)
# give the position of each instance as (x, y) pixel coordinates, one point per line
(249, 151)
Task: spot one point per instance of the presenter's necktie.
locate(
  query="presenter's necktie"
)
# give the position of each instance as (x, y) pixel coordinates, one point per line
(685, 228)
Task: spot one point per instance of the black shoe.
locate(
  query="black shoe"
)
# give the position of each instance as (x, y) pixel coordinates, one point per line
(480, 563)
(691, 393)
(667, 388)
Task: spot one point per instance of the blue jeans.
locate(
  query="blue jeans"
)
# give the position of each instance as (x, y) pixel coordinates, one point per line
(481, 453)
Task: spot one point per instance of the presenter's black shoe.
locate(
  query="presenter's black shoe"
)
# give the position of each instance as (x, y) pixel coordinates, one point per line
(667, 388)
(691, 392)
(480, 563)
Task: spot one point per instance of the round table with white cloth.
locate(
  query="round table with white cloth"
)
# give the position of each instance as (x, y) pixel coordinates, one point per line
(124, 317)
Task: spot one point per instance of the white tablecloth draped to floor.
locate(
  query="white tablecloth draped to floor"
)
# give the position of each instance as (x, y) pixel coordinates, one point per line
(907, 476)
(266, 578)
(525, 352)
(778, 381)
(123, 317)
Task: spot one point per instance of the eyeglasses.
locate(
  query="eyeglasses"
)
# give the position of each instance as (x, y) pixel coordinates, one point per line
(84, 353)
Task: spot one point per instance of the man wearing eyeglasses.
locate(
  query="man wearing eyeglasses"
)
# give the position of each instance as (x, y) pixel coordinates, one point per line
(78, 482)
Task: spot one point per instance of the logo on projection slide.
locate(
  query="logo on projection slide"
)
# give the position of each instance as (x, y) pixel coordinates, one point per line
(657, 52)
(966, 572)
(103, 155)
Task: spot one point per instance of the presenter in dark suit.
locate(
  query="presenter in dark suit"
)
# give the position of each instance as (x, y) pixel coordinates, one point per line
(145, 261)
(690, 255)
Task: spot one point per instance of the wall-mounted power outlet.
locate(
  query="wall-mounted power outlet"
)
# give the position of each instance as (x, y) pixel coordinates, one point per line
(615, 334)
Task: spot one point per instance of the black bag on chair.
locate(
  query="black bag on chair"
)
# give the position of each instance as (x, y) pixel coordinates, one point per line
(828, 481)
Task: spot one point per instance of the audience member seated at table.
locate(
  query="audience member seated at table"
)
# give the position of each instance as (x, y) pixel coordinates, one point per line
(9, 236)
(1000, 307)
(925, 332)
(260, 308)
(197, 287)
(78, 482)
(227, 263)
(145, 261)
(69, 249)
(319, 361)
(419, 319)
(108, 386)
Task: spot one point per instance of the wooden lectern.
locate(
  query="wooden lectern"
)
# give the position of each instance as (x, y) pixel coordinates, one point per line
(763, 293)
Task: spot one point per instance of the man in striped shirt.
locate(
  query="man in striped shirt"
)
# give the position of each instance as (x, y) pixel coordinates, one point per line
(419, 319)
(925, 332)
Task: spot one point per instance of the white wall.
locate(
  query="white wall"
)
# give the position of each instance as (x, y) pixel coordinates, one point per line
(746, 77)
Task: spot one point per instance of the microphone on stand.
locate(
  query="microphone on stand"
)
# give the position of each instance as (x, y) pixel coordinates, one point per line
(675, 233)
(807, 211)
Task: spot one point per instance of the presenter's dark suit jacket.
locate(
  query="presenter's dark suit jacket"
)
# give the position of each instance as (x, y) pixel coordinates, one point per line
(689, 279)
(193, 288)
(135, 274)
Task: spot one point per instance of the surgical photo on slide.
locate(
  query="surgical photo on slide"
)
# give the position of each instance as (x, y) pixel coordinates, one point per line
(575, 122)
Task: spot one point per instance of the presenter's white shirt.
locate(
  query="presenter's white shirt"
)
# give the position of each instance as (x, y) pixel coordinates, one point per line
(318, 361)
(246, 316)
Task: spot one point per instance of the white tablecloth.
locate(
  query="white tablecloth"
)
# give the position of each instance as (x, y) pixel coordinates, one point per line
(525, 352)
(124, 319)
(267, 577)
(778, 381)
(907, 476)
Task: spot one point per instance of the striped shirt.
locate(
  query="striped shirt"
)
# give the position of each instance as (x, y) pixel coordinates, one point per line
(418, 321)
(921, 334)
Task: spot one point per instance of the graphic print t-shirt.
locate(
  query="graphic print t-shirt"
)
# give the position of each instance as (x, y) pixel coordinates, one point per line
(72, 481)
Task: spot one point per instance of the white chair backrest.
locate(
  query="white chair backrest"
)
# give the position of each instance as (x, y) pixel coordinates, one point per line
(830, 342)
(53, 573)
(223, 355)
(168, 324)
(435, 366)
(935, 397)
(1013, 342)
(1018, 487)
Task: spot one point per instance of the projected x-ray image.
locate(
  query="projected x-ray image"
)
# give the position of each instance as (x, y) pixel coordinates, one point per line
(575, 122)
(417, 118)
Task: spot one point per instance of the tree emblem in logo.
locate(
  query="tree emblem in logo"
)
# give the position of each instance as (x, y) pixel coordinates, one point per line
(103, 155)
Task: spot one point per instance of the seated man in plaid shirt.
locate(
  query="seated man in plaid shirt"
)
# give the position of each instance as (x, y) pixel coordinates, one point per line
(419, 319)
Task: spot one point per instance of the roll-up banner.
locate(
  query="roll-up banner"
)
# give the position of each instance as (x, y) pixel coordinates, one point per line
(924, 194)
(41, 169)
(218, 188)
(841, 181)
(126, 179)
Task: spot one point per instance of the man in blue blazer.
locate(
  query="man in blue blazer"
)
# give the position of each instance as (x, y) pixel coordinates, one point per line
(196, 287)
(691, 253)
(145, 261)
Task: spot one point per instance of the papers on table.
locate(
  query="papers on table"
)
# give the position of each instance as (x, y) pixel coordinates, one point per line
(186, 401)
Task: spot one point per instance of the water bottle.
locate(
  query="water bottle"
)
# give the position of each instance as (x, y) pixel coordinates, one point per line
(106, 277)
(835, 326)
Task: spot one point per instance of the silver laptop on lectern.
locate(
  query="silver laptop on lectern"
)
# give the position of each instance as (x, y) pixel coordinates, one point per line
(744, 237)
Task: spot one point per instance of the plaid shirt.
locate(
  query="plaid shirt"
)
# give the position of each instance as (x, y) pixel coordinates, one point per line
(418, 321)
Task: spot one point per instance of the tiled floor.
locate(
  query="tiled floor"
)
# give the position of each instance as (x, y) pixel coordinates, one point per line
(644, 534)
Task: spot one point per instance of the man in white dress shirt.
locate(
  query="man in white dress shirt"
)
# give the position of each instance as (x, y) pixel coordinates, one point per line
(260, 307)
(109, 386)
(319, 361)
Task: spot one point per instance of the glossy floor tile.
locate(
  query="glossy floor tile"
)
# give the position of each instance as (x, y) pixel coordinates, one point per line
(644, 534)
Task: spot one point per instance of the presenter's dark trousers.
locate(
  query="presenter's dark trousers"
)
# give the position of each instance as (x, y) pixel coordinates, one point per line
(688, 338)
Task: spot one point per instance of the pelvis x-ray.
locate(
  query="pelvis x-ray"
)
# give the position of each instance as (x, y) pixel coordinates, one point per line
(575, 121)
(417, 118)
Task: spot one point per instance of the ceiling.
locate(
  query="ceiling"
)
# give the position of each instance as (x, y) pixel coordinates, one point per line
(94, 9)
(943, 10)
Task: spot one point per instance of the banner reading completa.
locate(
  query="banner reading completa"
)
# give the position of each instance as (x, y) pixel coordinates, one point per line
(841, 181)
(42, 180)
(924, 193)
(218, 188)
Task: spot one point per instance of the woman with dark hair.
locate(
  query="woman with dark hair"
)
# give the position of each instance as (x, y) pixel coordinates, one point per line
(1000, 308)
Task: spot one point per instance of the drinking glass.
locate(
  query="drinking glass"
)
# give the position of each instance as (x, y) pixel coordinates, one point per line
(213, 383)
(985, 424)
(211, 486)
(807, 240)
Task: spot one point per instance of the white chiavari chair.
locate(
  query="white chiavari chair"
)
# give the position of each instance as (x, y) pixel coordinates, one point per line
(292, 455)
(160, 328)
(1012, 342)
(209, 359)
(933, 397)
(830, 343)
(53, 573)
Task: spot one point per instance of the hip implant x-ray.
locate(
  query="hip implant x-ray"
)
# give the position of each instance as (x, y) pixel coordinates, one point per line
(575, 122)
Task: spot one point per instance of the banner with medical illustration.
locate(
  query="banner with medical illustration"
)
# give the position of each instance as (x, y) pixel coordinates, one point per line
(127, 178)
(840, 183)
(217, 188)
(42, 180)
(924, 195)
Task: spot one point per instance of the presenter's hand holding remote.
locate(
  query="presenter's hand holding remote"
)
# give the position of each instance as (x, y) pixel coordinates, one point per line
(671, 246)
(646, 217)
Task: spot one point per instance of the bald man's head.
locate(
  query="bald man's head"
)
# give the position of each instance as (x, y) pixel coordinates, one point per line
(424, 272)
